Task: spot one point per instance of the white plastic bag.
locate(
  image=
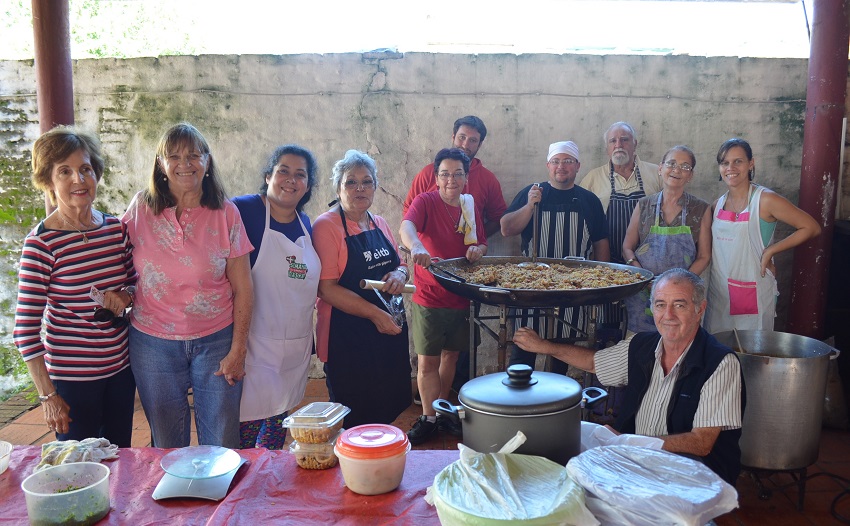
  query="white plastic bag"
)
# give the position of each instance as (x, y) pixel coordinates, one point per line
(68, 451)
(490, 488)
(645, 487)
(595, 435)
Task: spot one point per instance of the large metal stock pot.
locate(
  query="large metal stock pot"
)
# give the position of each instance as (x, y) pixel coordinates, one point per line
(546, 407)
(785, 377)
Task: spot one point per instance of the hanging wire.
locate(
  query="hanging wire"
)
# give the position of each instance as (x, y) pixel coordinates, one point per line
(806, 17)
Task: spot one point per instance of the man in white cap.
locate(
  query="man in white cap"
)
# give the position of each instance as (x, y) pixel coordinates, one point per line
(571, 223)
(620, 182)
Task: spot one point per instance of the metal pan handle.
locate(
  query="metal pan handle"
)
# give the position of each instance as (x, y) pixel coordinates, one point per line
(489, 291)
(588, 401)
(445, 408)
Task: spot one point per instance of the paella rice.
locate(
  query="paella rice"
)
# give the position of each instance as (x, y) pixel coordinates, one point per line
(556, 277)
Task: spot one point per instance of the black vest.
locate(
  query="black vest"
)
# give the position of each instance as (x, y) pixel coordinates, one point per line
(699, 364)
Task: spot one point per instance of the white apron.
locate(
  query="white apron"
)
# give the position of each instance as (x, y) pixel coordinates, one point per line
(738, 296)
(286, 278)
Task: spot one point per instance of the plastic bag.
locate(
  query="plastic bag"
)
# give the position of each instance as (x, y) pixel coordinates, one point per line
(68, 451)
(492, 488)
(646, 487)
(595, 435)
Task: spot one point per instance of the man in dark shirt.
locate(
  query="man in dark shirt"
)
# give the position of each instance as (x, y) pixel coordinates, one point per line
(571, 223)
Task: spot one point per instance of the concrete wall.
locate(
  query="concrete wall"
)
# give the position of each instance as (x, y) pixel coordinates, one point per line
(400, 108)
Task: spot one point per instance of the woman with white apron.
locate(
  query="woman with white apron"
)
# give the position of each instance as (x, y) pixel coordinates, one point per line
(683, 241)
(285, 270)
(742, 288)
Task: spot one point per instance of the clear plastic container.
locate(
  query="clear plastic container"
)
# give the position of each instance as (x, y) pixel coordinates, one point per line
(372, 458)
(316, 423)
(5, 455)
(314, 456)
(76, 493)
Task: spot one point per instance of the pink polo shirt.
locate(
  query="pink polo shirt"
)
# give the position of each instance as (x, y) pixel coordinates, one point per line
(183, 292)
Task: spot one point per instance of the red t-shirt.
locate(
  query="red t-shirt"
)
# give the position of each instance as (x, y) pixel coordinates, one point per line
(436, 223)
(481, 184)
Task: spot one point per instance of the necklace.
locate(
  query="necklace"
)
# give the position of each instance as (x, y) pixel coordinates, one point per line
(736, 209)
(70, 224)
(364, 226)
(451, 218)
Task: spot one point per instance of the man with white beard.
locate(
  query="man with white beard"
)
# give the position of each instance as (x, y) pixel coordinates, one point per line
(621, 182)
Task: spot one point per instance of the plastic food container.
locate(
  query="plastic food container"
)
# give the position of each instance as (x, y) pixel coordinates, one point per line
(372, 458)
(5, 455)
(316, 423)
(76, 493)
(314, 456)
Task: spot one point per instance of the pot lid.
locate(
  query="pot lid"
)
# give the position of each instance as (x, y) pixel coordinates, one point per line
(372, 441)
(200, 462)
(521, 391)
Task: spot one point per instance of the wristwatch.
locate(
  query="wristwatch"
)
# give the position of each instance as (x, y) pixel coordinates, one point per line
(44, 398)
(630, 261)
(131, 291)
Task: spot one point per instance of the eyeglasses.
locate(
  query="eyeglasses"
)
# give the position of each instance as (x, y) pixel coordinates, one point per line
(351, 184)
(445, 175)
(685, 167)
(563, 162)
(104, 315)
(191, 158)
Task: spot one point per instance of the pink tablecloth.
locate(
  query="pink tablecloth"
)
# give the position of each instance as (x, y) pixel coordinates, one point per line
(270, 489)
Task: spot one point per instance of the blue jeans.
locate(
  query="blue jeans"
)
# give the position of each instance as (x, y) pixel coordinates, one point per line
(100, 408)
(165, 370)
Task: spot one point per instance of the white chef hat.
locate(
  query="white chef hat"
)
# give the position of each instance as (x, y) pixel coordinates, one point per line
(567, 147)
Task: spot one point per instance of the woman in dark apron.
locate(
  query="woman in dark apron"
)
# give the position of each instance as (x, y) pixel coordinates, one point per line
(365, 347)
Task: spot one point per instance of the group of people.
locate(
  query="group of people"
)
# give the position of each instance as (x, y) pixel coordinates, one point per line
(223, 291)
(223, 294)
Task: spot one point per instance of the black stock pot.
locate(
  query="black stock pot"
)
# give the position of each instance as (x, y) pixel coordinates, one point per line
(546, 407)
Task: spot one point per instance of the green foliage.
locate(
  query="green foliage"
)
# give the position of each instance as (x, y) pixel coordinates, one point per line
(102, 28)
(12, 365)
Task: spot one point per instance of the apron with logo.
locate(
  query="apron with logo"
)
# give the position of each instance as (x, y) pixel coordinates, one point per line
(368, 371)
(664, 248)
(738, 296)
(280, 341)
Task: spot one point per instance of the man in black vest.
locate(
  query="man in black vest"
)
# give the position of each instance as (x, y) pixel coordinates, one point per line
(683, 386)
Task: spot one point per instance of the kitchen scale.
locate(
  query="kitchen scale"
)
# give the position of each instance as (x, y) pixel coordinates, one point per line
(203, 472)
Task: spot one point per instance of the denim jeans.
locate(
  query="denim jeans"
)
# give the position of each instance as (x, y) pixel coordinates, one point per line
(166, 369)
(100, 408)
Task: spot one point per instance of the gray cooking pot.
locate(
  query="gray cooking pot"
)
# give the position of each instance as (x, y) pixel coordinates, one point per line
(546, 407)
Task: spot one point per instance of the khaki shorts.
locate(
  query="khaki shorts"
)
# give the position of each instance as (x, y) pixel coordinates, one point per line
(437, 329)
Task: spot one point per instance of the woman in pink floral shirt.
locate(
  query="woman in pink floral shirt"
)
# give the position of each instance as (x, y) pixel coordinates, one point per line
(192, 306)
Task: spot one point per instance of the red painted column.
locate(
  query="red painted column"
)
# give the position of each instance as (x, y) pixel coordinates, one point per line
(825, 96)
(54, 76)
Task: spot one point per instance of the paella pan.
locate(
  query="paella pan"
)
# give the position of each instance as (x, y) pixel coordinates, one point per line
(453, 273)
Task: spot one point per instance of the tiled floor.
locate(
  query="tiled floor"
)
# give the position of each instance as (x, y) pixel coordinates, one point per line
(780, 509)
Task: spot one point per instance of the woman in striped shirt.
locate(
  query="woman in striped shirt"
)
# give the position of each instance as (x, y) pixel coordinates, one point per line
(80, 366)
